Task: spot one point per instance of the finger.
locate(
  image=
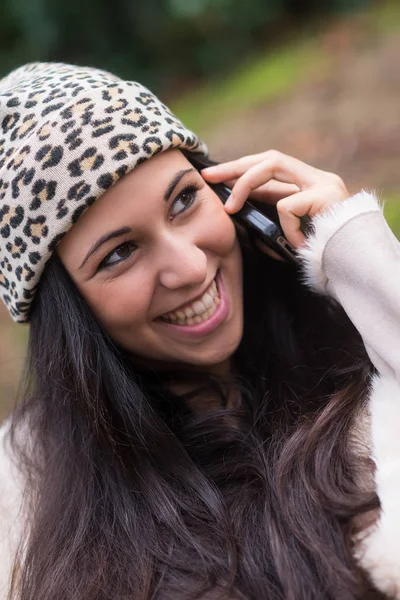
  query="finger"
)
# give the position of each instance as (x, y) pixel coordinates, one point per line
(236, 168)
(229, 183)
(231, 169)
(283, 168)
(270, 192)
(309, 202)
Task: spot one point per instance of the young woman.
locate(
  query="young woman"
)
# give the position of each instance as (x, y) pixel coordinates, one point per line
(198, 419)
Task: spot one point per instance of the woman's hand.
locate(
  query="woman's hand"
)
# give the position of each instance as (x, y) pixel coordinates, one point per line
(295, 187)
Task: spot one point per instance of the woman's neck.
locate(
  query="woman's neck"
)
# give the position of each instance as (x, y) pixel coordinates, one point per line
(180, 385)
(222, 369)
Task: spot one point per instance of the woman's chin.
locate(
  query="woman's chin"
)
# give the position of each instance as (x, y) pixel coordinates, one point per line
(213, 358)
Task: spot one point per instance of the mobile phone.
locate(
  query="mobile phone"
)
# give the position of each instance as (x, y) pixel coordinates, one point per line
(262, 227)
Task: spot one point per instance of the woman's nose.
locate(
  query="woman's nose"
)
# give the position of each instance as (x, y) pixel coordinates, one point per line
(182, 263)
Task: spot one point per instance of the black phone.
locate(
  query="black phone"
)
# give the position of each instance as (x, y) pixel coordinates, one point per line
(264, 228)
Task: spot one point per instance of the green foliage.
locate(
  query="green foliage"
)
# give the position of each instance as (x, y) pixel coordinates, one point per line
(388, 16)
(165, 44)
(256, 80)
(392, 211)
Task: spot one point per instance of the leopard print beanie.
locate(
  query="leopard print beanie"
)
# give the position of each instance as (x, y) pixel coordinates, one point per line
(67, 133)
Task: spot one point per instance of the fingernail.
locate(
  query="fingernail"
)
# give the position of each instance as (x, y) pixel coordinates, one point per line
(208, 169)
(230, 202)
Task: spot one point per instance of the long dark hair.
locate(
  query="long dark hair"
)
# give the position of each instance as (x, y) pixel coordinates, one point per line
(134, 493)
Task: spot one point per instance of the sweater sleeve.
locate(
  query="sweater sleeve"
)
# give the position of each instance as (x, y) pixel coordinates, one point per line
(354, 257)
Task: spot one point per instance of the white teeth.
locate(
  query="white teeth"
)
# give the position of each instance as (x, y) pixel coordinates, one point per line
(189, 312)
(199, 311)
(198, 307)
(208, 301)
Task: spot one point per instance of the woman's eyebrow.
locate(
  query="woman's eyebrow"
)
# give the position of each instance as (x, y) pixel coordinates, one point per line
(113, 234)
(105, 238)
(175, 182)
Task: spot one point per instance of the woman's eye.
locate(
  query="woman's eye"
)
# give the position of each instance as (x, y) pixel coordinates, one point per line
(184, 200)
(121, 253)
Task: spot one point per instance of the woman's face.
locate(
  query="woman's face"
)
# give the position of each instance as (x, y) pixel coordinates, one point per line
(158, 261)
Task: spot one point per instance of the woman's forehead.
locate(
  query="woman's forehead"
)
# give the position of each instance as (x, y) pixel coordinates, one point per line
(131, 195)
(151, 179)
(156, 172)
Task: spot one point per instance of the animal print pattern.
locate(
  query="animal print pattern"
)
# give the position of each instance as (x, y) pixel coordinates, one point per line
(67, 133)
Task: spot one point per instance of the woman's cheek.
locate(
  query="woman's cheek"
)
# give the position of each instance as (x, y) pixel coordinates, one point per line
(119, 302)
(219, 228)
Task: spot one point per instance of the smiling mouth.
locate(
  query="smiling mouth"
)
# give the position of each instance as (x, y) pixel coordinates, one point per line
(198, 311)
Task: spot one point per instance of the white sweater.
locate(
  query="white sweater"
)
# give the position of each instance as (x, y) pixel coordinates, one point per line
(354, 257)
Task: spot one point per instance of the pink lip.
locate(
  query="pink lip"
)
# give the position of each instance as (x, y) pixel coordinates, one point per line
(201, 329)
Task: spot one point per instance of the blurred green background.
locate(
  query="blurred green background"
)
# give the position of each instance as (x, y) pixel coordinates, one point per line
(318, 80)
